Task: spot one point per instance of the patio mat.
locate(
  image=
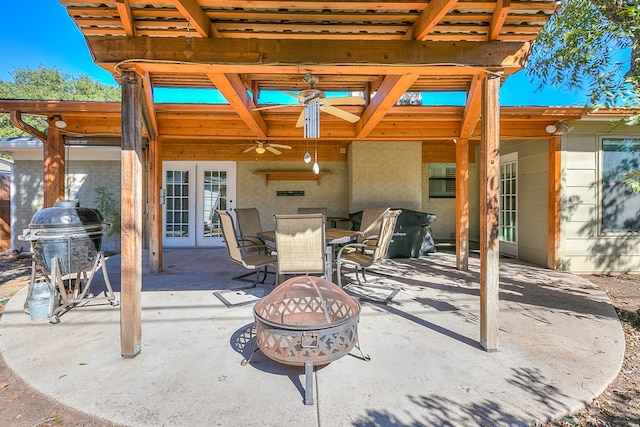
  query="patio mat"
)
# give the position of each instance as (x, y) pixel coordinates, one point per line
(369, 292)
(236, 297)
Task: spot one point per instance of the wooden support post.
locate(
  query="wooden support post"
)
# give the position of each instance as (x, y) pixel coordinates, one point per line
(489, 202)
(53, 167)
(131, 207)
(462, 204)
(155, 208)
(554, 201)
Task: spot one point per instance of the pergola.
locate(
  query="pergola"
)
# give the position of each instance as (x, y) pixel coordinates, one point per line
(379, 48)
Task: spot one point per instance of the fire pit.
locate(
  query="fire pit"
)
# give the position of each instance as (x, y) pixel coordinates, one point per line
(306, 321)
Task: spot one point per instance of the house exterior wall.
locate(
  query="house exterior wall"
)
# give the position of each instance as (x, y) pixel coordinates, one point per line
(584, 248)
(532, 208)
(84, 176)
(385, 174)
(331, 192)
(444, 227)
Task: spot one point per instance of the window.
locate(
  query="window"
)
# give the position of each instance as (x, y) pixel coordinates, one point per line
(620, 211)
(442, 180)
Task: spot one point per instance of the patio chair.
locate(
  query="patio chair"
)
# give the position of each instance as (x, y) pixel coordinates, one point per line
(300, 243)
(367, 253)
(370, 224)
(249, 225)
(313, 210)
(247, 253)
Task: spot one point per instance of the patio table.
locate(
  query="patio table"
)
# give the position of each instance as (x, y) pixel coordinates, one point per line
(334, 237)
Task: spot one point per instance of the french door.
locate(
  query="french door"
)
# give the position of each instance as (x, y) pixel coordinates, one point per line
(193, 191)
(508, 220)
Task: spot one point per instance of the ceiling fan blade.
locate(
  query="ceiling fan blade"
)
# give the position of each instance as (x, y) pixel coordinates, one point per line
(269, 107)
(300, 98)
(288, 147)
(273, 150)
(300, 121)
(249, 149)
(344, 115)
(345, 100)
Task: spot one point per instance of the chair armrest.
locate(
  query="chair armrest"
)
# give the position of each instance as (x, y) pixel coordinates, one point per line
(355, 245)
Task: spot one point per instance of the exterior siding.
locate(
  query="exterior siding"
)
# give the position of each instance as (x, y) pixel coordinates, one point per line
(583, 247)
(532, 173)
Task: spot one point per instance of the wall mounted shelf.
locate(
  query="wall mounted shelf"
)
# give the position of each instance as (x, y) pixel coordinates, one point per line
(291, 175)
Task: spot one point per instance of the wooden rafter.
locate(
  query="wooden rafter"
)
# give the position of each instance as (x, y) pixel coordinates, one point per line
(232, 88)
(429, 18)
(391, 89)
(499, 16)
(149, 108)
(124, 10)
(196, 17)
(472, 109)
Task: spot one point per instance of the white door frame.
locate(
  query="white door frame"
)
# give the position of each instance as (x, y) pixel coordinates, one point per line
(196, 203)
(510, 213)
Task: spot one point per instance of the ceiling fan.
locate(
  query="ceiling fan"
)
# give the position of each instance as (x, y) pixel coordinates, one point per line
(327, 105)
(260, 147)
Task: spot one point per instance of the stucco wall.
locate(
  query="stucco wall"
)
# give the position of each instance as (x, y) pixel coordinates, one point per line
(385, 174)
(584, 248)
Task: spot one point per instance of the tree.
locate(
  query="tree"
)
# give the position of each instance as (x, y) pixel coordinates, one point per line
(50, 84)
(592, 46)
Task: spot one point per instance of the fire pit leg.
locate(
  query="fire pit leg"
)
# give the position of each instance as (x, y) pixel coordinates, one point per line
(308, 389)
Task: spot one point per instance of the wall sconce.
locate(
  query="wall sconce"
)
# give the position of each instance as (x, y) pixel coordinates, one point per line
(559, 128)
(58, 122)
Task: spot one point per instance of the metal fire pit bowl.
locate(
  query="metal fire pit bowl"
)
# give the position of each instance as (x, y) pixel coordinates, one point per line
(306, 321)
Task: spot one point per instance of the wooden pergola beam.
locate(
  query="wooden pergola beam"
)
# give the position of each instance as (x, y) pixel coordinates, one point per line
(124, 10)
(391, 89)
(499, 16)
(345, 56)
(472, 109)
(232, 88)
(196, 17)
(429, 18)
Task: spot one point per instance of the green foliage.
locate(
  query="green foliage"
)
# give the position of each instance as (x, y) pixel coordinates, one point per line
(110, 210)
(584, 46)
(49, 84)
(633, 179)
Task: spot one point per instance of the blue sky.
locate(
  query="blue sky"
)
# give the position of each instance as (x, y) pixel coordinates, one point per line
(45, 35)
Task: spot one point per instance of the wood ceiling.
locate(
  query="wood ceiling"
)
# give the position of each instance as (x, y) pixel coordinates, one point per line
(380, 49)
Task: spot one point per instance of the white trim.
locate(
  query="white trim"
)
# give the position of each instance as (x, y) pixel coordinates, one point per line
(511, 248)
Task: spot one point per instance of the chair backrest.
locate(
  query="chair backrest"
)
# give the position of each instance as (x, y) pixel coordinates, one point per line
(229, 235)
(300, 243)
(248, 221)
(313, 210)
(371, 221)
(387, 226)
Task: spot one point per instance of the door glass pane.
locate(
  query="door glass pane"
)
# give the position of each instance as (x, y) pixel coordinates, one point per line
(507, 218)
(214, 197)
(177, 204)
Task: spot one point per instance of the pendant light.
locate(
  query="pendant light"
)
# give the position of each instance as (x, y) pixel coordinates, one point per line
(307, 155)
(316, 168)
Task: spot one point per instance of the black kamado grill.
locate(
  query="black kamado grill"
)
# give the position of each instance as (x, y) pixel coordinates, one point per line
(69, 236)
(306, 321)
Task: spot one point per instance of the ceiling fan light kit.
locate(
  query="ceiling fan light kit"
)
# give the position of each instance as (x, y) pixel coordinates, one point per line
(261, 147)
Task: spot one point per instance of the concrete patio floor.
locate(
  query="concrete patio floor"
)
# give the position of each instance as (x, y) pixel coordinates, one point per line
(560, 345)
